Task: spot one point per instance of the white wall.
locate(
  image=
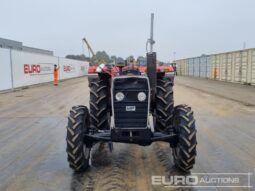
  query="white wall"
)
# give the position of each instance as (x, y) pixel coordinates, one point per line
(5, 69)
(20, 68)
(72, 68)
(29, 68)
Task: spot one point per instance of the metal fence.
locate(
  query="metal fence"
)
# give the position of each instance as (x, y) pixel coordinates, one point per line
(236, 66)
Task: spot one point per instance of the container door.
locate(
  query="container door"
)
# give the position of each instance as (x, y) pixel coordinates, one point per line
(244, 66)
(202, 66)
(190, 67)
(208, 67)
(196, 67)
(213, 66)
(223, 69)
(253, 67)
(217, 66)
(238, 67)
(229, 67)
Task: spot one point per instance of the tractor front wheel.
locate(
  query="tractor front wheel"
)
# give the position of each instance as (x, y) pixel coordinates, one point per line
(78, 153)
(99, 101)
(164, 104)
(184, 152)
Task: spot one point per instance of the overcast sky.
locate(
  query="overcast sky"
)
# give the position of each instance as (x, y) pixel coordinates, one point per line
(121, 27)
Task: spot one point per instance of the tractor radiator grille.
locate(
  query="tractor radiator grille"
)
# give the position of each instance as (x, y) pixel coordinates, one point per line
(130, 112)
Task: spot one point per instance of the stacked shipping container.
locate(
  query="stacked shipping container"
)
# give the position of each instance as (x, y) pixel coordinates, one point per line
(236, 66)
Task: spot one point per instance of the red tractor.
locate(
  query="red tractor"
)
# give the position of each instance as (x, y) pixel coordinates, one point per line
(128, 105)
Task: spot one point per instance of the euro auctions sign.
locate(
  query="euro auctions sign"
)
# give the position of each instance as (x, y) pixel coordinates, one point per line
(38, 69)
(68, 68)
(31, 69)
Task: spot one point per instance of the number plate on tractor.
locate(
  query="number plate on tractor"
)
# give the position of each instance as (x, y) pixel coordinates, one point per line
(130, 108)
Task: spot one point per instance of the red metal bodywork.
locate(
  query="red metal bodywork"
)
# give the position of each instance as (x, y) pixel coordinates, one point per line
(92, 69)
(114, 70)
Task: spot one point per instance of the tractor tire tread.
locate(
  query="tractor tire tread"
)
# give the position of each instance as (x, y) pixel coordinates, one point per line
(74, 138)
(185, 158)
(99, 95)
(164, 103)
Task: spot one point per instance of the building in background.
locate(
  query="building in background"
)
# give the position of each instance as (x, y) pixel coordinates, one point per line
(11, 44)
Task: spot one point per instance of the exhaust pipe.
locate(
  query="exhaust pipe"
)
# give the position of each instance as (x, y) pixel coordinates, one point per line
(151, 62)
(152, 73)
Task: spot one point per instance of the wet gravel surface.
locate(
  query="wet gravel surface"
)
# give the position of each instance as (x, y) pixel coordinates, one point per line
(32, 142)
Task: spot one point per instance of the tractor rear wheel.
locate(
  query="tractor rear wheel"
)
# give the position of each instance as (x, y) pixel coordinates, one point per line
(78, 153)
(184, 152)
(164, 103)
(99, 99)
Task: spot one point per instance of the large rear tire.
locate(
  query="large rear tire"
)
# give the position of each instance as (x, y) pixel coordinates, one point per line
(164, 104)
(99, 101)
(184, 153)
(78, 153)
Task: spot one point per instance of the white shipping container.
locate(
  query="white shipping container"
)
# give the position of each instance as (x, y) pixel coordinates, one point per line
(212, 64)
(181, 67)
(235, 66)
(208, 67)
(196, 67)
(203, 66)
(229, 67)
(252, 67)
(226, 67)
(223, 67)
(190, 67)
(241, 67)
(244, 66)
(215, 67)
(178, 66)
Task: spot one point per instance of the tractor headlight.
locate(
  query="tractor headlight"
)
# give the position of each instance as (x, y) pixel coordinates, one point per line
(119, 96)
(141, 96)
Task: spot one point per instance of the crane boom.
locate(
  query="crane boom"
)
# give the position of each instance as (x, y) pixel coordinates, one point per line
(89, 47)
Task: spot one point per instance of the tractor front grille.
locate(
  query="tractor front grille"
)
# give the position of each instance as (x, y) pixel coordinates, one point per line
(130, 112)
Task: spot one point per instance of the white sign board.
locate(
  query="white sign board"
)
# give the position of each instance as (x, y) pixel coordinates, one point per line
(72, 68)
(5, 69)
(29, 68)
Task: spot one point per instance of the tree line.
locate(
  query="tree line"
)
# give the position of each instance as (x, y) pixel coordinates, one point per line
(99, 58)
